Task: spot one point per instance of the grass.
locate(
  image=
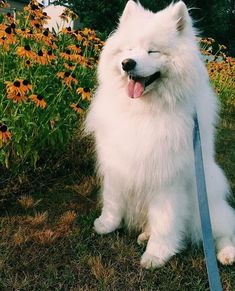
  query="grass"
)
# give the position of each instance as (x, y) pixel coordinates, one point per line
(47, 240)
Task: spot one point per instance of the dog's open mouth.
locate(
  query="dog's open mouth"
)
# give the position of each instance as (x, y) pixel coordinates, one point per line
(137, 84)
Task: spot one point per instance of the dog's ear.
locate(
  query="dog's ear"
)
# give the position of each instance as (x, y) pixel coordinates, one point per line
(181, 15)
(128, 10)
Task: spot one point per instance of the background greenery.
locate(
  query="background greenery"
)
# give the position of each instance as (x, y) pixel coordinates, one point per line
(47, 209)
(214, 18)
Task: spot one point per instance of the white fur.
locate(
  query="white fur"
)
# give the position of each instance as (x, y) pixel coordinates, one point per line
(144, 145)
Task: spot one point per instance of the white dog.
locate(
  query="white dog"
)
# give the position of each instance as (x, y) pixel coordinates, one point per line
(151, 80)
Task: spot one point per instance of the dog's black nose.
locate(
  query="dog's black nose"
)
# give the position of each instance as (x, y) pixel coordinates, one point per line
(128, 65)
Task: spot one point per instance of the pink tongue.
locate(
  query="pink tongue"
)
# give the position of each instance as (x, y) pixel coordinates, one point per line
(135, 88)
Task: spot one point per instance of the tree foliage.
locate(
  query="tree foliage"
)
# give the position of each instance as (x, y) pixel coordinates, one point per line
(214, 18)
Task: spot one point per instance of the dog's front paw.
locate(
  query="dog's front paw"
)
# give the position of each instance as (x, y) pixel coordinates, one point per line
(226, 255)
(143, 238)
(102, 227)
(150, 261)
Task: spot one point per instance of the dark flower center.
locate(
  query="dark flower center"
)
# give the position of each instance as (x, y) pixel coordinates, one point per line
(39, 97)
(3, 128)
(77, 46)
(49, 53)
(28, 62)
(9, 14)
(18, 94)
(17, 84)
(68, 52)
(69, 28)
(44, 13)
(26, 82)
(67, 74)
(8, 30)
(37, 25)
(86, 89)
(46, 33)
(40, 53)
(27, 47)
(13, 25)
(23, 29)
(73, 75)
(34, 7)
(70, 64)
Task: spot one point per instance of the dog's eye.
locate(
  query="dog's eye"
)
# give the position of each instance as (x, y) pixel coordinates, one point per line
(153, 52)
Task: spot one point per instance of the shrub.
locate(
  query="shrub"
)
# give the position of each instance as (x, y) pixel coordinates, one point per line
(46, 81)
(221, 69)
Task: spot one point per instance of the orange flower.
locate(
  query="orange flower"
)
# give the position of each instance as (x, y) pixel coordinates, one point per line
(25, 52)
(47, 37)
(23, 32)
(7, 32)
(67, 78)
(41, 58)
(68, 56)
(39, 100)
(88, 31)
(26, 85)
(69, 13)
(64, 17)
(75, 47)
(69, 66)
(18, 86)
(28, 63)
(4, 43)
(17, 98)
(85, 92)
(76, 108)
(5, 134)
(67, 30)
(50, 56)
(86, 43)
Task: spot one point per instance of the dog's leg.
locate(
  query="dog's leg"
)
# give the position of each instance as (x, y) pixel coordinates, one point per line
(144, 236)
(112, 211)
(222, 214)
(167, 215)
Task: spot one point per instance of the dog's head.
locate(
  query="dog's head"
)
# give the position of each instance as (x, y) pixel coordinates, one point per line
(148, 48)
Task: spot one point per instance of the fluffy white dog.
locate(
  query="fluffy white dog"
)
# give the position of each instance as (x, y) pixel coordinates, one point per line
(151, 80)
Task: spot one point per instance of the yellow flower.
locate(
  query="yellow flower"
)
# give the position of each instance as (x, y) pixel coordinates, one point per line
(76, 108)
(85, 92)
(67, 78)
(41, 57)
(7, 33)
(5, 134)
(50, 55)
(16, 97)
(25, 52)
(28, 63)
(18, 86)
(69, 66)
(39, 100)
(68, 56)
(75, 47)
(23, 32)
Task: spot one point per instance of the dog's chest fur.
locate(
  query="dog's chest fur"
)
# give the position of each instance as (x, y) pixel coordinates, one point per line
(146, 146)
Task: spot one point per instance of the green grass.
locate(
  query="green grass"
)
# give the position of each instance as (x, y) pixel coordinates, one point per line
(82, 260)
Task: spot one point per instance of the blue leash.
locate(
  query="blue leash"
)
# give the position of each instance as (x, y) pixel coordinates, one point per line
(208, 242)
